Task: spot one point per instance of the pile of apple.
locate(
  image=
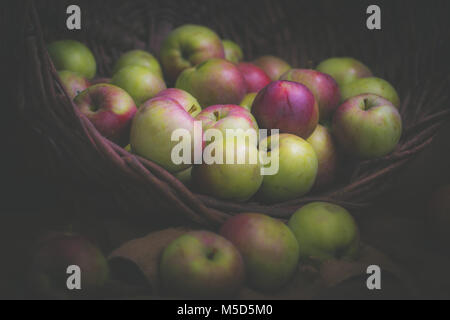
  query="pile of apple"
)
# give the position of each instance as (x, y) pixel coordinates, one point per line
(339, 108)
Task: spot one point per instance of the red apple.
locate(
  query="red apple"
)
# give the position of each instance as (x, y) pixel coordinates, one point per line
(255, 77)
(110, 109)
(324, 87)
(287, 106)
(274, 67)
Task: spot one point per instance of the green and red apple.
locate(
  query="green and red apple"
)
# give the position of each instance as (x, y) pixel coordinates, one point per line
(233, 52)
(325, 231)
(297, 168)
(367, 126)
(371, 85)
(274, 67)
(344, 69)
(184, 98)
(140, 82)
(201, 264)
(187, 46)
(140, 58)
(214, 81)
(73, 82)
(110, 109)
(73, 56)
(268, 247)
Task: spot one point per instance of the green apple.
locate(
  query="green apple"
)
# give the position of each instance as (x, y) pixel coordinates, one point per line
(140, 58)
(201, 264)
(367, 126)
(344, 69)
(152, 129)
(297, 170)
(372, 85)
(325, 231)
(233, 52)
(187, 46)
(268, 247)
(73, 56)
(248, 100)
(140, 82)
(230, 181)
(73, 82)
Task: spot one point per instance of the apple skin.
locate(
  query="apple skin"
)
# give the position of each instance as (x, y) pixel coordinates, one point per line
(110, 109)
(325, 89)
(140, 58)
(438, 218)
(274, 67)
(73, 56)
(247, 102)
(325, 231)
(288, 106)
(229, 116)
(268, 247)
(233, 52)
(255, 77)
(367, 126)
(152, 129)
(140, 82)
(50, 259)
(327, 155)
(214, 81)
(371, 85)
(187, 101)
(298, 166)
(187, 46)
(73, 82)
(344, 69)
(201, 264)
(237, 182)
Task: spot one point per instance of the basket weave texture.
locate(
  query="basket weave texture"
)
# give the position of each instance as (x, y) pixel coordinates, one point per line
(410, 52)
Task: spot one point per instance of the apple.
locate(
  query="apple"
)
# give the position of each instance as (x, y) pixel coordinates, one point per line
(140, 82)
(344, 69)
(229, 116)
(187, 101)
(73, 83)
(109, 108)
(274, 67)
(372, 85)
(247, 102)
(255, 77)
(214, 81)
(140, 58)
(439, 213)
(187, 46)
(268, 247)
(297, 169)
(152, 129)
(201, 264)
(367, 126)
(288, 106)
(233, 52)
(325, 231)
(50, 259)
(230, 181)
(327, 155)
(73, 56)
(325, 89)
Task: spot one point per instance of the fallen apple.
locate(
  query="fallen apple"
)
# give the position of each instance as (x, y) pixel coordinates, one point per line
(325, 231)
(201, 264)
(110, 109)
(344, 69)
(73, 56)
(367, 126)
(269, 249)
(73, 83)
(274, 67)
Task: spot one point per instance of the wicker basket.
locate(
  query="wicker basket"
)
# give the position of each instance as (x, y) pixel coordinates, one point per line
(410, 52)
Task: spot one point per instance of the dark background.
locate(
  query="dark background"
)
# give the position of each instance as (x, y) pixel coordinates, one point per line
(36, 198)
